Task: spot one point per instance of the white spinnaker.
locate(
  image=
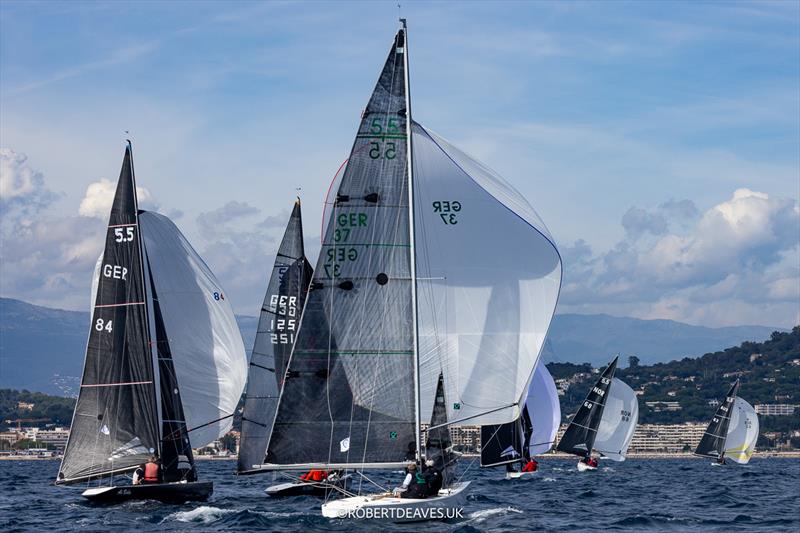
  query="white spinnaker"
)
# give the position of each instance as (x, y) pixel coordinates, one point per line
(742, 432)
(544, 410)
(618, 423)
(488, 278)
(207, 349)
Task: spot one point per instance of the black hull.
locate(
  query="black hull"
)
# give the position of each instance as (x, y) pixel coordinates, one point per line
(163, 492)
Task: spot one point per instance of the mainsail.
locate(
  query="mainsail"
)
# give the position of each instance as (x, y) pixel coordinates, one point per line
(581, 433)
(115, 424)
(277, 329)
(349, 393)
(618, 423)
(713, 442)
(742, 432)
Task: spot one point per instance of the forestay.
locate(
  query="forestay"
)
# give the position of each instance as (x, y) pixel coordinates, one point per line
(277, 330)
(207, 349)
(488, 276)
(544, 411)
(618, 423)
(742, 432)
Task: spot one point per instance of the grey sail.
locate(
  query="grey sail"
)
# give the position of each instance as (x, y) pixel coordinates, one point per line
(277, 330)
(580, 435)
(115, 425)
(177, 460)
(348, 397)
(713, 442)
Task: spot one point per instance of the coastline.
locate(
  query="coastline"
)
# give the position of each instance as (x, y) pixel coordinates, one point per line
(792, 454)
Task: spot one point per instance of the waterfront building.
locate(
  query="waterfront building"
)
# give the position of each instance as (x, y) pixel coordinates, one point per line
(775, 409)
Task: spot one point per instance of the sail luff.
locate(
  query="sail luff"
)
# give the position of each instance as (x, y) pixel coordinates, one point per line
(411, 237)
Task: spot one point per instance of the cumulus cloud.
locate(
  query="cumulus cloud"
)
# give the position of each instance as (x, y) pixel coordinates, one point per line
(45, 259)
(22, 187)
(99, 196)
(736, 262)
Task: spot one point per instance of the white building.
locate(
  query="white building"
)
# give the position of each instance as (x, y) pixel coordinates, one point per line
(775, 409)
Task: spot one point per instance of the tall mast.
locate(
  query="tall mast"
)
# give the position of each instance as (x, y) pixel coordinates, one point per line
(409, 160)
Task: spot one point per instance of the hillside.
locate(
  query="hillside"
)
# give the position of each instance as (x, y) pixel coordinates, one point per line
(769, 373)
(42, 349)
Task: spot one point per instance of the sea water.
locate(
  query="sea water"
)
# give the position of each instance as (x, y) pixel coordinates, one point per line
(637, 495)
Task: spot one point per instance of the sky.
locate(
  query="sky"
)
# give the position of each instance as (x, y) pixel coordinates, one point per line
(660, 142)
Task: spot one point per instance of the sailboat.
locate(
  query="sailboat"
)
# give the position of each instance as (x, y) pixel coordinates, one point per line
(604, 423)
(278, 325)
(732, 433)
(533, 433)
(165, 363)
(430, 301)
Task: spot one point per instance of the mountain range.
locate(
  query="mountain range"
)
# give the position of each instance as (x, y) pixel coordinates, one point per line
(42, 349)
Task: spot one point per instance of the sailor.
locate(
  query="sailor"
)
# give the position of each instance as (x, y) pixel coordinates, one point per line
(314, 476)
(418, 486)
(152, 470)
(433, 478)
(531, 466)
(411, 469)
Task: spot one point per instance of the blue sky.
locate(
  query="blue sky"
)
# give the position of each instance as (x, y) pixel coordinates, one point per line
(629, 126)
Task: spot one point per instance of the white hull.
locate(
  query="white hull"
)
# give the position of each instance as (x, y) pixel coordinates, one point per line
(517, 475)
(386, 507)
(583, 467)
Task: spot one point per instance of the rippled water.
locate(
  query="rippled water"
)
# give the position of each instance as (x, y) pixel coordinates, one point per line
(675, 494)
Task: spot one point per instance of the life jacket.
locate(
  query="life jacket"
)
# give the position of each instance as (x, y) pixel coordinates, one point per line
(530, 466)
(418, 487)
(316, 475)
(151, 473)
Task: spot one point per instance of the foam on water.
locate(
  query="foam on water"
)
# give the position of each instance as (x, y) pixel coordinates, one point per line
(204, 514)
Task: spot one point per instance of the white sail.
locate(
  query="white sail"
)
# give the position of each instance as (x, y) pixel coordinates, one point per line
(742, 432)
(618, 423)
(488, 278)
(207, 349)
(544, 410)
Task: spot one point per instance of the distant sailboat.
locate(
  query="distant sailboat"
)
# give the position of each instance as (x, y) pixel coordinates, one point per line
(732, 432)
(604, 423)
(431, 298)
(165, 365)
(533, 433)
